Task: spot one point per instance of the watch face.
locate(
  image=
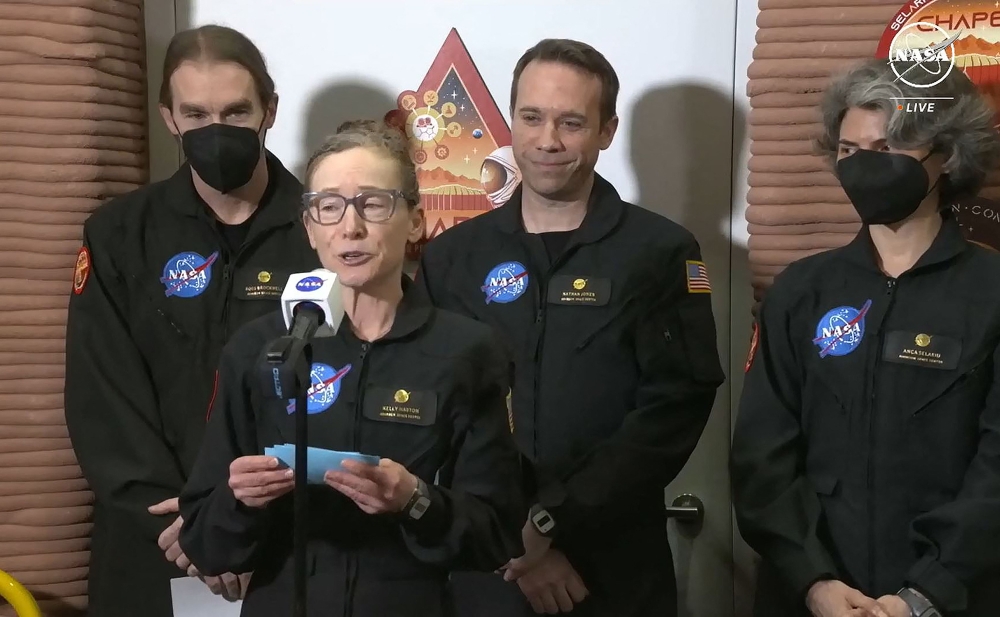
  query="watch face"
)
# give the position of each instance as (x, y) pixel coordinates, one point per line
(543, 522)
(419, 508)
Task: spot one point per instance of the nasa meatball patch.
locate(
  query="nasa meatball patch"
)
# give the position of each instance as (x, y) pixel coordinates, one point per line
(505, 283)
(324, 390)
(840, 330)
(82, 271)
(187, 274)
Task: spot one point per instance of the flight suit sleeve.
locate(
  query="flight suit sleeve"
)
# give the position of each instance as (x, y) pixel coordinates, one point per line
(679, 373)
(951, 540)
(777, 511)
(477, 510)
(112, 414)
(220, 534)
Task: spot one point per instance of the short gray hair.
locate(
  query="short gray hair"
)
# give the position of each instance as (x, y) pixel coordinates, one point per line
(961, 128)
(377, 136)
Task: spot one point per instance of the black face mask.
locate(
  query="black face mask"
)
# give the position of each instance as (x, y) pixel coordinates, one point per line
(225, 156)
(884, 187)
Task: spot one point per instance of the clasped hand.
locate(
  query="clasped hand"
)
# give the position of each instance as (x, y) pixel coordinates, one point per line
(230, 586)
(835, 599)
(545, 576)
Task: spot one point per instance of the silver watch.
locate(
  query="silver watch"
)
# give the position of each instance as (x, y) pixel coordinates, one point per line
(419, 502)
(919, 605)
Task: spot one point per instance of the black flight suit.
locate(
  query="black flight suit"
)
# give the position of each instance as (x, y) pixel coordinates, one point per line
(454, 426)
(616, 371)
(867, 446)
(167, 287)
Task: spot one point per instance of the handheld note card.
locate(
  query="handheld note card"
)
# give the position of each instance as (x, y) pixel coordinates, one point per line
(319, 460)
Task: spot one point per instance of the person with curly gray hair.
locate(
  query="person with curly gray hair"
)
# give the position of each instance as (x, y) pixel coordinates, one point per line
(866, 453)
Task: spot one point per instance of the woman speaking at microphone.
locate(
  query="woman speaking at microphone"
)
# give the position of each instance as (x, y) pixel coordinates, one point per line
(423, 389)
(866, 452)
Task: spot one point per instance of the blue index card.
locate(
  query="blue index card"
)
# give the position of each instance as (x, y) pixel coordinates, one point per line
(320, 460)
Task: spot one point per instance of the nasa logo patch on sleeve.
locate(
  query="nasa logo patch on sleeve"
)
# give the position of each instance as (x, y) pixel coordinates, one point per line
(82, 271)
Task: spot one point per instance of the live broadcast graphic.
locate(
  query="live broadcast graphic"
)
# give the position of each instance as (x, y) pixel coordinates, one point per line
(459, 141)
(942, 36)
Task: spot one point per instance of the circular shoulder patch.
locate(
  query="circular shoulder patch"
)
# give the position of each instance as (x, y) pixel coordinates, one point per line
(82, 271)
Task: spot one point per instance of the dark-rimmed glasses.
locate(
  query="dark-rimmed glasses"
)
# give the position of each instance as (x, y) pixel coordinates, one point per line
(374, 206)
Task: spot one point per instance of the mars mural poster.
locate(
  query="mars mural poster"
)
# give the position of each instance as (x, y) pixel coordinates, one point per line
(976, 51)
(459, 141)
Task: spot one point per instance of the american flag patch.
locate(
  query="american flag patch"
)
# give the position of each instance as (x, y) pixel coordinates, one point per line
(697, 278)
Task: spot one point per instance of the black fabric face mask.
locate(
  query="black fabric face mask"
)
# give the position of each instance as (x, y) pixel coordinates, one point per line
(225, 156)
(885, 187)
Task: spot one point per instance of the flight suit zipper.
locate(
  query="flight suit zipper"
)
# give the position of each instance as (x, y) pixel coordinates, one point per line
(872, 441)
(226, 298)
(352, 560)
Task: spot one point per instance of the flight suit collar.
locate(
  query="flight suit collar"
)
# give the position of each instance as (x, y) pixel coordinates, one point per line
(948, 244)
(604, 211)
(412, 313)
(278, 206)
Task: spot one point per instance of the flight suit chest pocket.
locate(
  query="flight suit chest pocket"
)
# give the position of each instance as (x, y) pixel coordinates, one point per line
(400, 406)
(942, 423)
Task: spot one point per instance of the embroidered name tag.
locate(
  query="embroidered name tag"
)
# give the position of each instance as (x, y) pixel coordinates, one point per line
(255, 283)
(399, 405)
(921, 349)
(584, 290)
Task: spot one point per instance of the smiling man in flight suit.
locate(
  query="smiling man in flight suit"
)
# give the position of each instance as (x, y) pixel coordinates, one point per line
(165, 276)
(606, 308)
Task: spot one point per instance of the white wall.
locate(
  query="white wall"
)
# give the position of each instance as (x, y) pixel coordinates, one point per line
(681, 147)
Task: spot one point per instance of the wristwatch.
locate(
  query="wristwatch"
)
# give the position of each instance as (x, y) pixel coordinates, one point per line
(419, 501)
(919, 605)
(541, 520)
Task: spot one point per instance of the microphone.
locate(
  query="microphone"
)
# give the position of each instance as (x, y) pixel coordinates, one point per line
(312, 304)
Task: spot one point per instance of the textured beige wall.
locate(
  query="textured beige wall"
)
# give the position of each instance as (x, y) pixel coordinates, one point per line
(72, 134)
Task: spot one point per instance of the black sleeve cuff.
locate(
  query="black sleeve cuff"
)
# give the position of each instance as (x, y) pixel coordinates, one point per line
(940, 586)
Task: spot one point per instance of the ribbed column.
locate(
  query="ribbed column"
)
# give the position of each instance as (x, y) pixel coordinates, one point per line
(72, 134)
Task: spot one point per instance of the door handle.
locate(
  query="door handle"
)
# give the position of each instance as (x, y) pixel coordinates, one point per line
(689, 512)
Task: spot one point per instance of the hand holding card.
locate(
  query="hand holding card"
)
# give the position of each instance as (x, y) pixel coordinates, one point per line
(319, 460)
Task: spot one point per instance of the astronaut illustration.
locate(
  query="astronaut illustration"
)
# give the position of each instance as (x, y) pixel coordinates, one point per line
(500, 175)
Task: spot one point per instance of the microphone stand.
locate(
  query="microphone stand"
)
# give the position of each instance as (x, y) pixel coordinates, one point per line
(289, 359)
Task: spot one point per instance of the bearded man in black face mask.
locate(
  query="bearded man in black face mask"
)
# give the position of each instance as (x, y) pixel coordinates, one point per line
(165, 276)
(866, 452)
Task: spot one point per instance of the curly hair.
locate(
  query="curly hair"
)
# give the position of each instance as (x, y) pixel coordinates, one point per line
(961, 125)
(376, 135)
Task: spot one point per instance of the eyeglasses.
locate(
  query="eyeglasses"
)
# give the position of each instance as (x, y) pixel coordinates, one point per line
(374, 206)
